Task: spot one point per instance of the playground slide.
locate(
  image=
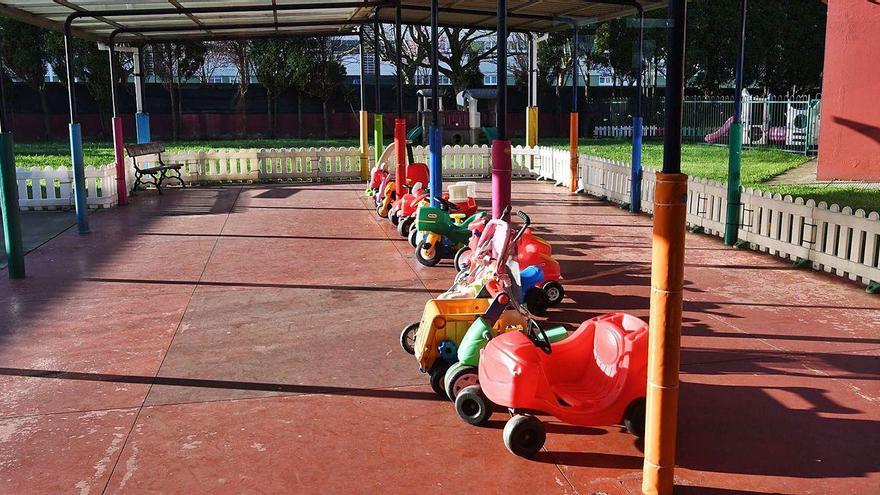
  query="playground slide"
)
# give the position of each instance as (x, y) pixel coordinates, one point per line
(388, 158)
(414, 134)
(713, 137)
(491, 133)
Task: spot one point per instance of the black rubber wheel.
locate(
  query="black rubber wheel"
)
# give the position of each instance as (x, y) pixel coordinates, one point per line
(554, 292)
(437, 374)
(537, 302)
(403, 226)
(433, 260)
(634, 419)
(379, 211)
(472, 406)
(395, 220)
(524, 435)
(457, 262)
(408, 338)
(458, 378)
(413, 234)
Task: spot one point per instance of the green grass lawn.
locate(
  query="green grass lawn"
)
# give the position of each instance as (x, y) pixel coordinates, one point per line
(698, 160)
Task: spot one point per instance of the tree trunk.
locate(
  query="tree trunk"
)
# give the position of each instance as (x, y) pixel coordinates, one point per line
(299, 114)
(326, 121)
(269, 117)
(44, 106)
(174, 127)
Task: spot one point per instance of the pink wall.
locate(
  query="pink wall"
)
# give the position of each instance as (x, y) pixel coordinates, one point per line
(849, 135)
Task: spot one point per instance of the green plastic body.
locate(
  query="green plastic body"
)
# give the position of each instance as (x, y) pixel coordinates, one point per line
(433, 219)
(9, 200)
(476, 339)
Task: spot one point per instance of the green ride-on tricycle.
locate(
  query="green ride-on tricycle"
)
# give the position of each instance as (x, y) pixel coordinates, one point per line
(440, 231)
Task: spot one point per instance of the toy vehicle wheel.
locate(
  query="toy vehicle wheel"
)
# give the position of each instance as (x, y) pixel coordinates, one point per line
(537, 301)
(461, 264)
(458, 377)
(472, 406)
(403, 226)
(380, 212)
(408, 338)
(413, 233)
(424, 258)
(554, 292)
(395, 219)
(634, 419)
(437, 374)
(524, 435)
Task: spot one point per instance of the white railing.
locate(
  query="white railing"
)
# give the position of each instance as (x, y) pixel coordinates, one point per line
(51, 188)
(832, 239)
(624, 131)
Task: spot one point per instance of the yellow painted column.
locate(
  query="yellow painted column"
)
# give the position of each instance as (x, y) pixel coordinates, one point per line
(365, 145)
(532, 131)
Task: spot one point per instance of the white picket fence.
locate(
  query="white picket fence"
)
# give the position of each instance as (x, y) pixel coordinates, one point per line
(836, 240)
(840, 241)
(624, 131)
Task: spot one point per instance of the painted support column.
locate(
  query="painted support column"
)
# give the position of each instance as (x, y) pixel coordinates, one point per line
(501, 160)
(9, 201)
(378, 137)
(574, 121)
(118, 138)
(400, 122)
(635, 202)
(435, 132)
(141, 118)
(76, 150)
(667, 276)
(364, 131)
(532, 105)
(734, 163)
(9, 193)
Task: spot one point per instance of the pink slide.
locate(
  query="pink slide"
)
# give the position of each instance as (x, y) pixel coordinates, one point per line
(713, 137)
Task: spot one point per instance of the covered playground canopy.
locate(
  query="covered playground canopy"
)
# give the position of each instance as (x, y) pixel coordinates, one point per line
(154, 21)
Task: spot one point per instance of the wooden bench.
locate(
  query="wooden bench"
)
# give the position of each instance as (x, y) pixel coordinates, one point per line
(157, 174)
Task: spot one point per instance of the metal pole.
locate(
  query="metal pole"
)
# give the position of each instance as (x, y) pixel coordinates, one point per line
(667, 276)
(635, 202)
(76, 150)
(399, 122)
(118, 138)
(378, 134)
(363, 71)
(398, 44)
(574, 118)
(731, 227)
(9, 192)
(141, 118)
(363, 130)
(435, 136)
(501, 157)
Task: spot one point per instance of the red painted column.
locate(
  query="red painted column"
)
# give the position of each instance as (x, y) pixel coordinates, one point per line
(400, 148)
(119, 154)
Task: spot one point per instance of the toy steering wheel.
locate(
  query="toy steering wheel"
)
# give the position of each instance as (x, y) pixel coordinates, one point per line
(446, 205)
(541, 342)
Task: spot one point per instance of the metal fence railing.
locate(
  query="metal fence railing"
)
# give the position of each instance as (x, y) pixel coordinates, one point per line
(791, 125)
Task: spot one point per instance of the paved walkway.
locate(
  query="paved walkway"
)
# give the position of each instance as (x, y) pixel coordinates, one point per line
(244, 340)
(38, 227)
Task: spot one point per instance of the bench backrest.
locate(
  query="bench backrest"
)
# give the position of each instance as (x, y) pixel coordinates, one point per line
(151, 148)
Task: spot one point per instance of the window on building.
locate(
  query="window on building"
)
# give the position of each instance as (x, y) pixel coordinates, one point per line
(490, 79)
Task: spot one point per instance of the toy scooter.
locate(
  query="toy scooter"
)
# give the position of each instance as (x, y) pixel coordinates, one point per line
(595, 377)
(444, 232)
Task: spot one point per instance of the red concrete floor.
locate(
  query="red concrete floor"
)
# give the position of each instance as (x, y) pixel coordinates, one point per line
(245, 340)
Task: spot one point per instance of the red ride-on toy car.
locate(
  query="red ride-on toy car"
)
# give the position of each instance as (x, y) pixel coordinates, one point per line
(595, 377)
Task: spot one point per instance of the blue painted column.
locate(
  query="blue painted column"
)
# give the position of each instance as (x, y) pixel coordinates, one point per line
(435, 162)
(435, 132)
(635, 202)
(142, 122)
(76, 149)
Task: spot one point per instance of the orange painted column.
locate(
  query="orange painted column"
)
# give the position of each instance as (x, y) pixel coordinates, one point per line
(664, 333)
(573, 150)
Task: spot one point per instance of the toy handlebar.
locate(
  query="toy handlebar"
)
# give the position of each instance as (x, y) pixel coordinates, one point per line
(450, 206)
(505, 211)
(526, 222)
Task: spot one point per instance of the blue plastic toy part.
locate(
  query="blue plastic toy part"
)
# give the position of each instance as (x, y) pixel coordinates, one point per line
(530, 277)
(448, 351)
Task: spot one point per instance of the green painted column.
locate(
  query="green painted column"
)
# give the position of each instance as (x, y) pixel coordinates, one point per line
(378, 140)
(734, 164)
(9, 200)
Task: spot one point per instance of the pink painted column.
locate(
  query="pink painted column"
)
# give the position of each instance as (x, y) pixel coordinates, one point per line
(119, 154)
(502, 173)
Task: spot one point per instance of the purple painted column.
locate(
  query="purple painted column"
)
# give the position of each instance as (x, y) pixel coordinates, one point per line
(118, 152)
(501, 176)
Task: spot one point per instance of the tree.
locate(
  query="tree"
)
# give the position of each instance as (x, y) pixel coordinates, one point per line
(280, 64)
(460, 54)
(91, 67)
(326, 74)
(175, 63)
(27, 61)
(237, 54)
